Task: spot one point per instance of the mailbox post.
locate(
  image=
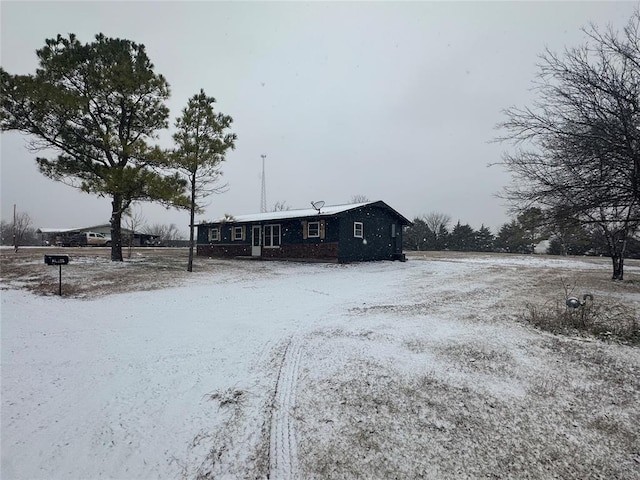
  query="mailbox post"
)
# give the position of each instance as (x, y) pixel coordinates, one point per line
(57, 260)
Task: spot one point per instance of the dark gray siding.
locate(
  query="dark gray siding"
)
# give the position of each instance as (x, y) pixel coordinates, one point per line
(377, 244)
(382, 228)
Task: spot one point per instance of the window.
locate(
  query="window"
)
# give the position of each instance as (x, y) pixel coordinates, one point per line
(358, 230)
(313, 229)
(272, 236)
(214, 234)
(238, 233)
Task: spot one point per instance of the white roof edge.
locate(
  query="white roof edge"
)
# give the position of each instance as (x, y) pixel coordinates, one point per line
(76, 229)
(284, 214)
(56, 230)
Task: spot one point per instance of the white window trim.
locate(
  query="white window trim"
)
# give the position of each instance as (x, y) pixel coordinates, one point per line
(216, 237)
(264, 234)
(237, 233)
(355, 229)
(309, 230)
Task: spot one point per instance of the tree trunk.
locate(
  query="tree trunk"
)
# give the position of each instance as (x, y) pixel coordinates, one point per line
(116, 231)
(618, 267)
(191, 221)
(617, 245)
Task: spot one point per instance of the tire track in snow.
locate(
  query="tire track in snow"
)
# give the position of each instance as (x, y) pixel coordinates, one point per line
(283, 448)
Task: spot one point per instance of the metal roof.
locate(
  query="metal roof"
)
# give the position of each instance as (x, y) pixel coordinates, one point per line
(308, 212)
(56, 230)
(80, 229)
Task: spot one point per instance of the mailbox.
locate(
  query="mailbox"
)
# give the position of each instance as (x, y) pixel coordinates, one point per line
(56, 259)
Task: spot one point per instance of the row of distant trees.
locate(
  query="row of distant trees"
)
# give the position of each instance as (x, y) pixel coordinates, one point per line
(434, 231)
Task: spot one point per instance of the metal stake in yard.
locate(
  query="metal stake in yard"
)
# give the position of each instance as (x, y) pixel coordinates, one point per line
(57, 260)
(573, 302)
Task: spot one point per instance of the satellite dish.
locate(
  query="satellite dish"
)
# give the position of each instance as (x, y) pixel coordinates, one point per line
(318, 205)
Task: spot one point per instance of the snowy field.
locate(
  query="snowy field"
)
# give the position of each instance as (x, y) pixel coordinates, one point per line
(277, 370)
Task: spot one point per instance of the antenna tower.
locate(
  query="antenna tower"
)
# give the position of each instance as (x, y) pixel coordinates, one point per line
(263, 197)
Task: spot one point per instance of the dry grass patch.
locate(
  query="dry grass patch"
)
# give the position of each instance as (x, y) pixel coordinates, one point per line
(477, 357)
(90, 272)
(603, 318)
(381, 423)
(225, 398)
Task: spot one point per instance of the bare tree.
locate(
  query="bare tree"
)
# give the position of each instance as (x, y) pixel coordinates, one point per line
(21, 229)
(359, 199)
(164, 233)
(133, 220)
(281, 206)
(436, 221)
(577, 148)
(6, 233)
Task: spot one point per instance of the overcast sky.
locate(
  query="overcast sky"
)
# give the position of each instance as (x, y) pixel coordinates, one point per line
(395, 101)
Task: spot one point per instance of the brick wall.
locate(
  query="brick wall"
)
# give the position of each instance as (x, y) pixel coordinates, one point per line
(313, 251)
(321, 251)
(225, 250)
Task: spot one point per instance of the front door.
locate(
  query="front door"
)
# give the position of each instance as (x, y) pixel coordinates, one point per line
(256, 241)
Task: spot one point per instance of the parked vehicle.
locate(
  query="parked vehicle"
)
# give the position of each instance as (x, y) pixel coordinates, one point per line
(97, 239)
(83, 239)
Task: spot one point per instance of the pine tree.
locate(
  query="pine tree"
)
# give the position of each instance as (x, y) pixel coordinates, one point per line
(202, 142)
(484, 240)
(99, 105)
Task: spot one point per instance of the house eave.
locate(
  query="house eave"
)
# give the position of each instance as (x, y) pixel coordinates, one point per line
(306, 214)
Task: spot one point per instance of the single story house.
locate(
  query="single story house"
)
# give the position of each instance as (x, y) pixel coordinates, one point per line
(340, 233)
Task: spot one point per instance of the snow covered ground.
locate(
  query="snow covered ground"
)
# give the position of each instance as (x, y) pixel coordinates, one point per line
(283, 370)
